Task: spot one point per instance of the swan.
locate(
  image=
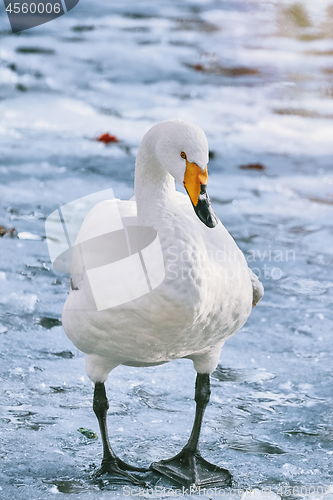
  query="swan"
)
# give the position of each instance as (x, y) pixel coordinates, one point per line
(205, 297)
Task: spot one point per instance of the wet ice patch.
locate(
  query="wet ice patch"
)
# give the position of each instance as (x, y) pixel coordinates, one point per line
(241, 375)
(304, 286)
(248, 444)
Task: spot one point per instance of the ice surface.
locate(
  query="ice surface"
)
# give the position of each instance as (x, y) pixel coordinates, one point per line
(257, 77)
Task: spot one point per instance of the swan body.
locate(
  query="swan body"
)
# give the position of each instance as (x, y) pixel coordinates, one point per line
(208, 290)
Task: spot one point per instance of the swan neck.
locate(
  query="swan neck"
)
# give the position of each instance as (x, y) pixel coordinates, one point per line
(154, 186)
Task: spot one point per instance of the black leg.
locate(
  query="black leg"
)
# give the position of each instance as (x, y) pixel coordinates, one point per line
(110, 463)
(188, 467)
(202, 396)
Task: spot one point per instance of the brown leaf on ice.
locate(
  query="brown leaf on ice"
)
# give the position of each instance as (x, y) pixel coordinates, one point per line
(4, 231)
(323, 201)
(107, 138)
(253, 166)
(217, 69)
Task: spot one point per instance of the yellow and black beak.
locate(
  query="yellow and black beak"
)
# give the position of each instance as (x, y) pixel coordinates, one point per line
(195, 183)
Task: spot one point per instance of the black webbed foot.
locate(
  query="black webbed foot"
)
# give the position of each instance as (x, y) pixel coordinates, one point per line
(119, 469)
(189, 468)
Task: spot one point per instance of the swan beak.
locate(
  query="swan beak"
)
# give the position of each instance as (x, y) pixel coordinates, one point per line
(195, 183)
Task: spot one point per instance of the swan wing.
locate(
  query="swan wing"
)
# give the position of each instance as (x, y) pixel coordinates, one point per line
(257, 287)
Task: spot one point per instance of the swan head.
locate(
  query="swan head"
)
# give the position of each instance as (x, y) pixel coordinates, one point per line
(181, 148)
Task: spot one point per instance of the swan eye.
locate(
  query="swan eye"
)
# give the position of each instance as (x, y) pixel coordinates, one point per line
(183, 155)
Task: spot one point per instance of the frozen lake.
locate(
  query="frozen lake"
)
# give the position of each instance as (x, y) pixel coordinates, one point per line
(257, 77)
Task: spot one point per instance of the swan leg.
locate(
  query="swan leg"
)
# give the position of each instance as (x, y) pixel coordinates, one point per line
(188, 467)
(111, 463)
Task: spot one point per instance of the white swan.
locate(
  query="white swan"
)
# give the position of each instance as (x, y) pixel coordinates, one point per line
(206, 296)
